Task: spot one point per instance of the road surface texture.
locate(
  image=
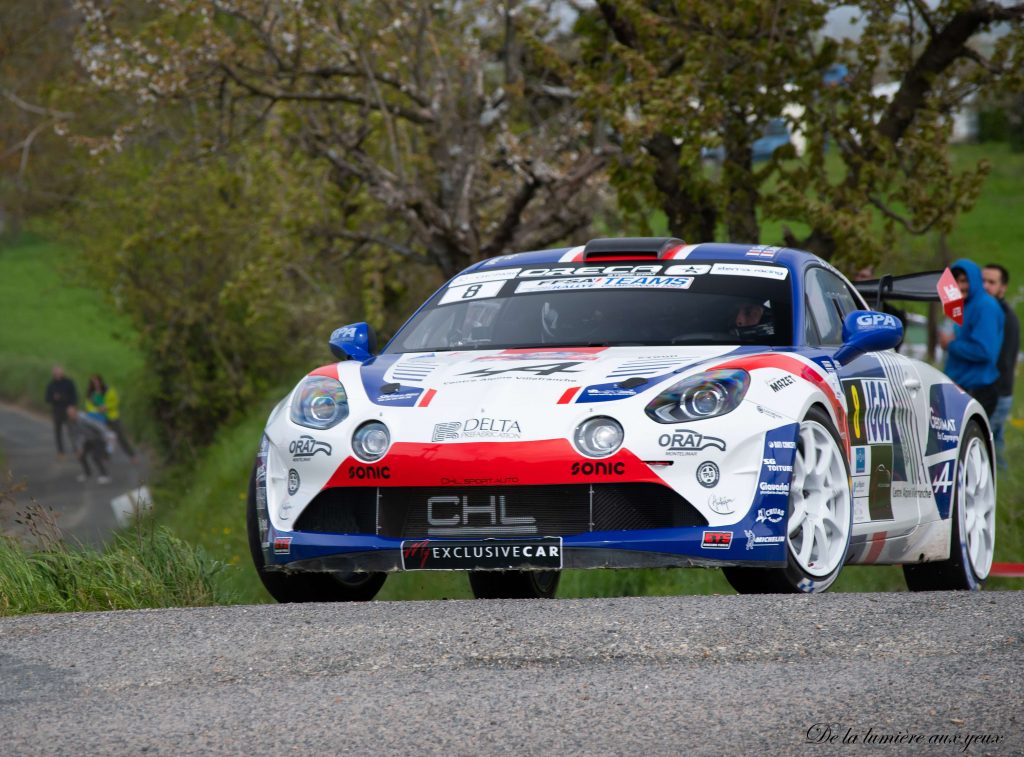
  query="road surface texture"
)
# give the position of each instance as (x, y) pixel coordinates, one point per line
(84, 511)
(721, 675)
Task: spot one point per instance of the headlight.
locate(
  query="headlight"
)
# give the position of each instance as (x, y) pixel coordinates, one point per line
(320, 402)
(370, 441)
(598, 437)
(705, 395)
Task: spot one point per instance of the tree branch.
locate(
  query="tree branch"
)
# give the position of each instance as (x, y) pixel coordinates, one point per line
(415, 116)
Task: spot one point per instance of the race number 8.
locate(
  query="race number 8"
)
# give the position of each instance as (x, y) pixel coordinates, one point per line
(471, 292)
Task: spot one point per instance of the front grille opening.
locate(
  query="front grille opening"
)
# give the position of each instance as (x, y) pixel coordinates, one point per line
(551, 510)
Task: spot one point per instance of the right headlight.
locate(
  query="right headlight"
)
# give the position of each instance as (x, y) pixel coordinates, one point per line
(320, 402)
(705, 395)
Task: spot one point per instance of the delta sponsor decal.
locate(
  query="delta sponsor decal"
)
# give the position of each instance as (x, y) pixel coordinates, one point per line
(684, 442)
(477, 428)
(716, 540)
(486, 554)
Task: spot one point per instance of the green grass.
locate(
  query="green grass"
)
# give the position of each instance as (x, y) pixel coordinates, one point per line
(143, 568)
(50, 317)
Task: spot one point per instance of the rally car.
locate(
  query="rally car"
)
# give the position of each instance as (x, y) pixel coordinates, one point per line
(626, 403)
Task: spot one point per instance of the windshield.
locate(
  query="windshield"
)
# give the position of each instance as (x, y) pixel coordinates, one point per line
(587, 305)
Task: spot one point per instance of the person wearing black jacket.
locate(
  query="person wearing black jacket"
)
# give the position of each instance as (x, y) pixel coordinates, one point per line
(60, 395)
(996, 278)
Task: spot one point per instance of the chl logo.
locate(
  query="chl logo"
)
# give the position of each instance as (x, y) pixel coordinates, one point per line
(455, 515)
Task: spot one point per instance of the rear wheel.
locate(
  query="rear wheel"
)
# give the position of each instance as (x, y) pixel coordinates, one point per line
(514, 584)
(974, 524)
(306, 587)
(820, 517)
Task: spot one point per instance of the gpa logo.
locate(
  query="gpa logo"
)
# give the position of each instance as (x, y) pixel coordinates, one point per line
(716, 540)
(282, 545)
(685, 442)
(869, 320)
(305, 447)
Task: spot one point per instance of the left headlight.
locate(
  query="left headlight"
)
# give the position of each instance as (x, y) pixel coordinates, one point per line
(320, 402)
(705, 395)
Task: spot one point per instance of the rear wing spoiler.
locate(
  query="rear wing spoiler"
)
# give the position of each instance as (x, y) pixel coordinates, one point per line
(913, 287)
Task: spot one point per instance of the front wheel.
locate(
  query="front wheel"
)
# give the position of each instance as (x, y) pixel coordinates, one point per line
(972, 542)
(305, 587)
(820, 517)
(514, 584)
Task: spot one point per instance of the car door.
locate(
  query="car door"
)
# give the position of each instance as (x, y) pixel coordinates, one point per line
(884, 420)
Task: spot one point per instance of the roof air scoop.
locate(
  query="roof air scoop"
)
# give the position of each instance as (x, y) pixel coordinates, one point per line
(630, 248)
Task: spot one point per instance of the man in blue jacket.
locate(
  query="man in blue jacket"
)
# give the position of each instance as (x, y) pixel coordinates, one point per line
(972, 351)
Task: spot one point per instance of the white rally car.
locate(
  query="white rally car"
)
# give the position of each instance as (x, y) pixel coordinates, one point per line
(628, 403)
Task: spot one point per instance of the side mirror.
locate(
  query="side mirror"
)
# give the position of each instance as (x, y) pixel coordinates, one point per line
(868, 331)
(356, 341)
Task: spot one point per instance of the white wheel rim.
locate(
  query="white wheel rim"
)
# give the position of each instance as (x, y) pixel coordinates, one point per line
(978, 507)
(819, 518)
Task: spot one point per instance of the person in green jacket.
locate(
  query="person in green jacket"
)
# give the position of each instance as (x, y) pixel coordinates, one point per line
(103, 400)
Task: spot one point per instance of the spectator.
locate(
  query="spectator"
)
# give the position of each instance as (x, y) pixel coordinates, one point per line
(89, 438)
(60, 395)
(103, 402)
(996, 279)
(972, 350)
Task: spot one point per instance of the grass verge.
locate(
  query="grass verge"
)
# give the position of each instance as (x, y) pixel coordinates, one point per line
(145, 568)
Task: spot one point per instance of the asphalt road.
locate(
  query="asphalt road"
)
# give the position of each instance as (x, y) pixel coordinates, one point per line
(720, 675)
(83, 510)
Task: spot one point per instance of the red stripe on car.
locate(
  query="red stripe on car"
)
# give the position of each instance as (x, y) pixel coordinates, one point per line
(546, 461)
(567, 396)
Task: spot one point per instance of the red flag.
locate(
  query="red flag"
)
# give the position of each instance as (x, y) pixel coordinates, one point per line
(952, 300)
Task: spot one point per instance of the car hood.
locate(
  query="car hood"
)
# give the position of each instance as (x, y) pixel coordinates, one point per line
(534, 376)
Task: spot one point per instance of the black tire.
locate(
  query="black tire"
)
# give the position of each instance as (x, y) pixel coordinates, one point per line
(514, 584)
(793, 579)
(955, 573)
(306, 587)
